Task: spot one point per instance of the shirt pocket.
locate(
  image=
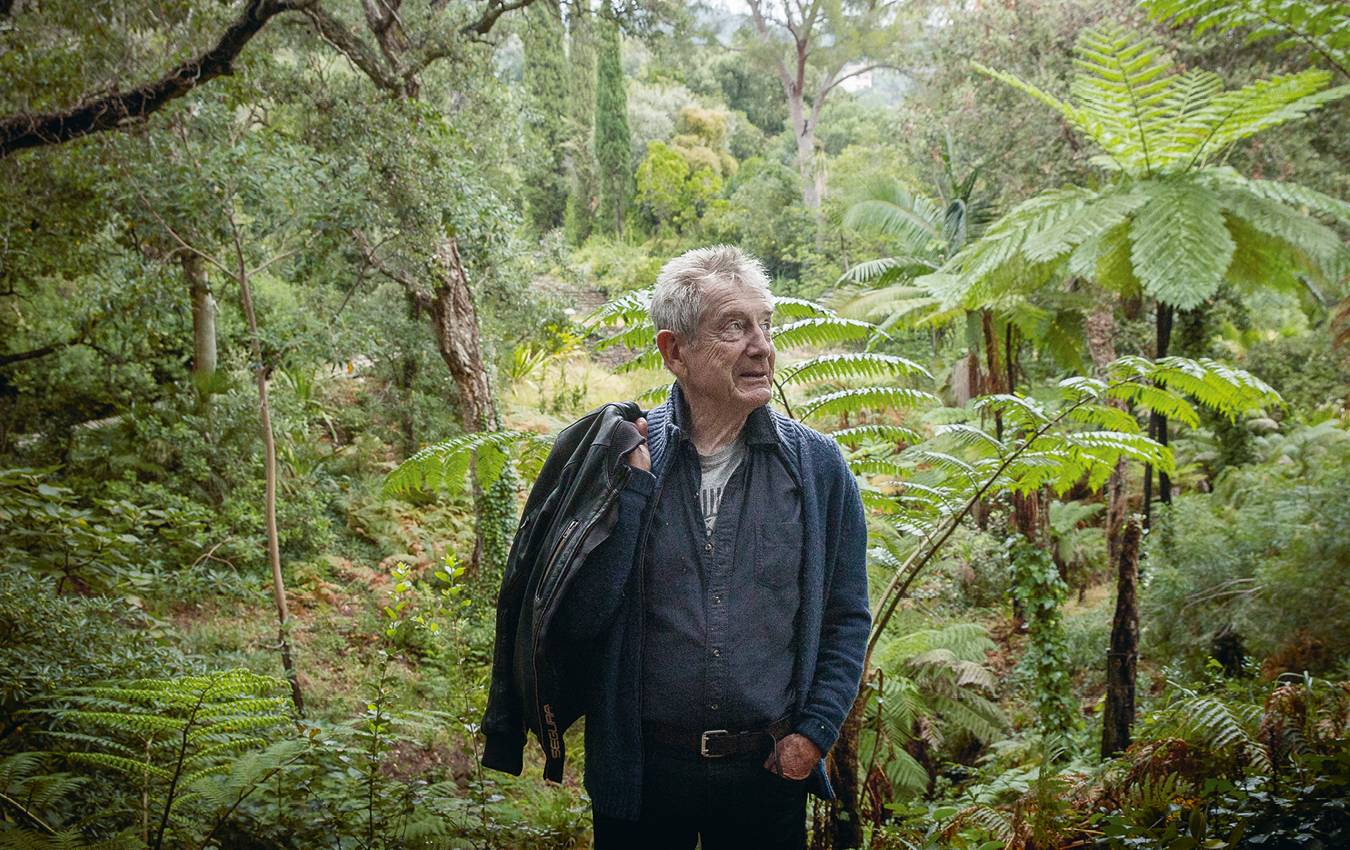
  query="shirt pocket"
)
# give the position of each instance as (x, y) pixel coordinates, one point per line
(778, 553)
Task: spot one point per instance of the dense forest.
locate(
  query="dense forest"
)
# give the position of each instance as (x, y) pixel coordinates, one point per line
(295, 293)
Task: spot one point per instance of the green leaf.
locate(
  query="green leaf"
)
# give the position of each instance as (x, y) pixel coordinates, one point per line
(1181, 246)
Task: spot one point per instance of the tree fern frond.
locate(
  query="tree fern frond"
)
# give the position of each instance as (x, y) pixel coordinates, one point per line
(1268, 103)
(632, 308)
(837, 367)
(1181, 247)
(798, 308)
(125, 766)
(447, 464)
(969, 436)
(1322, 252)
(1123, 84)
(650, 359)
(865, 399)
(1095, 218)
(881, 432)
(1156, 400)
(820, 331)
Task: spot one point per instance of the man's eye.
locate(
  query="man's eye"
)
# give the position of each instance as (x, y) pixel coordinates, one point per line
(734, 326)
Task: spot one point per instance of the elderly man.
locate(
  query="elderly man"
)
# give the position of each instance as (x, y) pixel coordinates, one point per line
(724, 618)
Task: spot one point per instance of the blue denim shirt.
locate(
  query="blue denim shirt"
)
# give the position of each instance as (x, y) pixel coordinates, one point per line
(720, 639)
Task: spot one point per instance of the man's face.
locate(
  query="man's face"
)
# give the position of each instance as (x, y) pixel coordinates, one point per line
(730, 365)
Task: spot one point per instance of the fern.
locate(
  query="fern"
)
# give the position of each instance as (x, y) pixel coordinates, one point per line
(170, 737)
(1169, 223)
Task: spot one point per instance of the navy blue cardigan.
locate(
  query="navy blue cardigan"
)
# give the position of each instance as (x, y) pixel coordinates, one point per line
(604, 611)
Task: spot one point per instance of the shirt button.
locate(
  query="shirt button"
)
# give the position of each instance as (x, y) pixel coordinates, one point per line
(717, 600)
(713, 706)
(708, 548)
(716, 653)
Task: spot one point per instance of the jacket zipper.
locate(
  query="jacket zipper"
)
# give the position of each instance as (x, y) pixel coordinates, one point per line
(557, 550)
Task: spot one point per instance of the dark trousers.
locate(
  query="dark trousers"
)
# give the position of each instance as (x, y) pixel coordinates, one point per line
(731, 803)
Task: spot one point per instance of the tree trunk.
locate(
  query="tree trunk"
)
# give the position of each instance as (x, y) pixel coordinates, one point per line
(846, 823)
(203, 321)
(270, 496)
(1123, 656)
(1157, 422)
(1101, 344)
(994, 383)
(454, 323)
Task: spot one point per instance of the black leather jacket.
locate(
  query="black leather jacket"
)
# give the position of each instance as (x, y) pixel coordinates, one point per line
(570, 511)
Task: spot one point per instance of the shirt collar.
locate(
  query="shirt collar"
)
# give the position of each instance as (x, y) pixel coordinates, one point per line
(759, 428)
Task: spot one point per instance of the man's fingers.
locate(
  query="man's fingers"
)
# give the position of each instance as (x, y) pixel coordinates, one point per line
(642, 426)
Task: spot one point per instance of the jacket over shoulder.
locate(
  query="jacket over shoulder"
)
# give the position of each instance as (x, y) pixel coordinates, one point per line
(571, 510)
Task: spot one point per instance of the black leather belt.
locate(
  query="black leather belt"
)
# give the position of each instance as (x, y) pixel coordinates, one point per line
(715, 743)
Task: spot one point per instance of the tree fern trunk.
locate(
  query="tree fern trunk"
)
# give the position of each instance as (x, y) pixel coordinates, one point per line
(1123, 656)
(1157, 423)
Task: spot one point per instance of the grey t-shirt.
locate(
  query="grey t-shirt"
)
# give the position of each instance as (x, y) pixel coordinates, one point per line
(717, 469)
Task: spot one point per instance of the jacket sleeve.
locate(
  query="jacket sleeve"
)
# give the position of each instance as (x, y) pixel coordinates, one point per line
(594, 597)
(847, 619)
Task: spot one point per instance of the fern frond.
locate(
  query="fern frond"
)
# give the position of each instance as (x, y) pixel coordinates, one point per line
(126, 766)
(820, 331)
(447, 463)
(867, 398)
(883, 433)
(632, 308)
(1181, 246)
(838, 367)
(798, 308)
(1095, 218)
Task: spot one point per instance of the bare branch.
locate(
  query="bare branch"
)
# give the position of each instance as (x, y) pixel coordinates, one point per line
(115, 110)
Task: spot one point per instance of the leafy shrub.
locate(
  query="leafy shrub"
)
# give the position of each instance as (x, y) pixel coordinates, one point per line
(1259, 563)
(50, 643)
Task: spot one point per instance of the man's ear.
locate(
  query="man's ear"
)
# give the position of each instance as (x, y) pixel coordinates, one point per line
(672, 352)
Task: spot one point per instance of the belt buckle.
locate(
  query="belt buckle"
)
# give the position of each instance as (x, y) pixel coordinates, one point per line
(703, 743)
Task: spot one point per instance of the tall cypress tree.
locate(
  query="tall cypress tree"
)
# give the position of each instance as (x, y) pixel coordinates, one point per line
(613, 144)
(546, 186)
(581, 200)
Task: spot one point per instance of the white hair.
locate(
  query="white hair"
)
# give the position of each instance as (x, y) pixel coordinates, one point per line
(681, 288)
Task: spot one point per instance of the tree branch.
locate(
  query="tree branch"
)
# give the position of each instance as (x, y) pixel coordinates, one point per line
(495, 9)
(111, 111)
(344, 40)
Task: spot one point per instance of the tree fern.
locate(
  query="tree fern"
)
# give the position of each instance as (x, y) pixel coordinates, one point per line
(1169, 223)
(171, 738)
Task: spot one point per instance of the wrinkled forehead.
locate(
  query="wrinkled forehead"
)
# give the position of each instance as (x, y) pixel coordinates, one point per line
(723, 295)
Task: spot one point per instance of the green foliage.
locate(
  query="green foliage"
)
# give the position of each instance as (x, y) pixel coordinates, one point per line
(583, 192)
(177, 742)
(934, 688)
(613, 146)
(1165, 225)
(1039, 592)
(545, 189)
(670, 192)
(1295, 23)
(1255, 562)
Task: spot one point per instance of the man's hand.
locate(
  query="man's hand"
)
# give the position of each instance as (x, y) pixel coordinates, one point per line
(640, 457)
(796, 755)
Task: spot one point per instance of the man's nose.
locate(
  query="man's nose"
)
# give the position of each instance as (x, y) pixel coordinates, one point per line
(760, 344)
